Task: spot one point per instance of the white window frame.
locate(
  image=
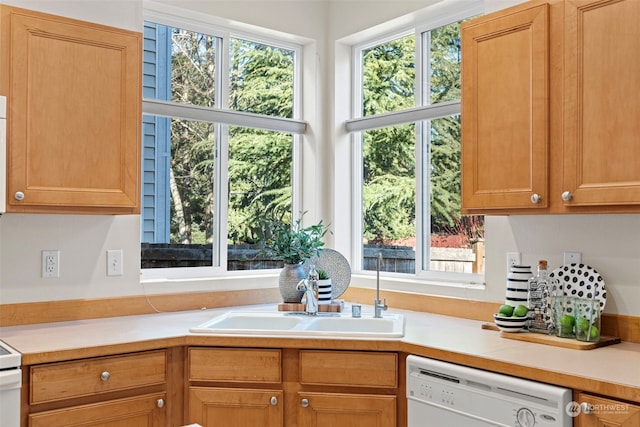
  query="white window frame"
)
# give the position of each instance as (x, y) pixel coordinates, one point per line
(223, 118)
(419, 115)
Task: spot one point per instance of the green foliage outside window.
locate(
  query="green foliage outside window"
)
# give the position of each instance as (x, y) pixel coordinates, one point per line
(261, 79)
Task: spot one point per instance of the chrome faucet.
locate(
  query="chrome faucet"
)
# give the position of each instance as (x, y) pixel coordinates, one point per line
(310, 288)
(378, 305)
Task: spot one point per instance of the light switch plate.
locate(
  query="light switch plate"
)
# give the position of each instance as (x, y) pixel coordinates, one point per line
(114, 262)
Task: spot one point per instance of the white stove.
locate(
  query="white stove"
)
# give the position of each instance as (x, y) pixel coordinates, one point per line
(10, 383)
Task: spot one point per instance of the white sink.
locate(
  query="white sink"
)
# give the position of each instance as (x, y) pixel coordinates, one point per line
(328, 325)
(390, 324)
(253, 321)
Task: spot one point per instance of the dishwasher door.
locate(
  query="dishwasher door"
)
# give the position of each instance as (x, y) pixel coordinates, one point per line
(441, 394)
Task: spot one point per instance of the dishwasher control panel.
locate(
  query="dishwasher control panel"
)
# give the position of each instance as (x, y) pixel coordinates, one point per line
(448, 394)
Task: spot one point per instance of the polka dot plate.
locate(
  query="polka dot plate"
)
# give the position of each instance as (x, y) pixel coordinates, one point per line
(579, 280)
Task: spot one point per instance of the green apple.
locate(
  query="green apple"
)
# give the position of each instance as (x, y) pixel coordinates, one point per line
(505, 310)
(567, 321)
(582, 324)
(521, 311)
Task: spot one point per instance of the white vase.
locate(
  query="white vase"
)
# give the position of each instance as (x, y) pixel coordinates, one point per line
(288, 281)
(325, 290)
(518, 284)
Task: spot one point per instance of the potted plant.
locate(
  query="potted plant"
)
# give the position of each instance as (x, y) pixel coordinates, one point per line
(294, 244)
(325, 289)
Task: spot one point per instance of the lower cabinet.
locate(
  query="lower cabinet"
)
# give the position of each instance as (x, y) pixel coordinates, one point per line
(139, 411)
(291, 387)
(598, 411)
(238, 407)
(124, 390)
(346, 410)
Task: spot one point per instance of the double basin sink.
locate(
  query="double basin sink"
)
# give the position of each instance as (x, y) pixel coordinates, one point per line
(327, 325)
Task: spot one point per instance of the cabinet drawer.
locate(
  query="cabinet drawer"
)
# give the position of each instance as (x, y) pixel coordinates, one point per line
(349, 368)
(235, 365)
(64, 380)
(140, 411)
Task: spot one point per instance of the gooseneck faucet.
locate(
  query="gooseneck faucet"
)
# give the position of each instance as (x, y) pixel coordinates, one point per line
(310, 288)
(378, 305)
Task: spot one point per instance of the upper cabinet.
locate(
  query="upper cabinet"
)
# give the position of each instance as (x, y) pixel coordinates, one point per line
(601, 106)
(73, 93)
(505, 109)
(549, 120)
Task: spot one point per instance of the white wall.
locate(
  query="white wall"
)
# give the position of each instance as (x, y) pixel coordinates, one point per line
(607, 242)
(117, 13)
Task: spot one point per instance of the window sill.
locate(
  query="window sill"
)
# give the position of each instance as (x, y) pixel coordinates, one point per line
(473, 291)
(241, 282)
(269, 279)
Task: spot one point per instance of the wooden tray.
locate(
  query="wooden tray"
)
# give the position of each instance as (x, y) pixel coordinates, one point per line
(334, 307)
(553, 340)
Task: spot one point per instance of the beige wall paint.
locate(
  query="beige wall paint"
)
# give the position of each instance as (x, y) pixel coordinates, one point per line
(607, 242)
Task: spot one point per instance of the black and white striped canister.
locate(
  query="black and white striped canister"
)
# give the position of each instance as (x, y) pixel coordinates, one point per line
(518, 284)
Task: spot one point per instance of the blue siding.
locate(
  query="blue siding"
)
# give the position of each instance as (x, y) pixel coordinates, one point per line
(156, 144)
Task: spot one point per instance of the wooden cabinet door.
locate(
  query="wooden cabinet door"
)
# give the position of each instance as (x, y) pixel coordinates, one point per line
(606, 412)
(346, 410)
(602, 126)
(235, 407)
(505, 103)
(73, 114)
(140, 411)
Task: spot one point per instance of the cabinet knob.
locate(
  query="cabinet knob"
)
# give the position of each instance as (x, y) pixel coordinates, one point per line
(19, 195)
(160, 403)
(273, 400)
(535, 198)
(304, 403)
(586, 408)
(566, 196)
(105, 376)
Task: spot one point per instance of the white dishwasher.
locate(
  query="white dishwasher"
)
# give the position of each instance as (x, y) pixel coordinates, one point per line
(441, 394)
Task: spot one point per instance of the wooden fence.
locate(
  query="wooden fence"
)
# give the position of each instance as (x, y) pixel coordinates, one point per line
(397, 259)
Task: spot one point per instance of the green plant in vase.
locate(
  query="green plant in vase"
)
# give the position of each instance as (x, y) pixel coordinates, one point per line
(294, 244)
(325, 289)
(322, 275)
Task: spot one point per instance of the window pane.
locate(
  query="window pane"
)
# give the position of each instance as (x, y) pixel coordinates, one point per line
(449, 242)
(388, 80)
(444, 63)
(180, 65)
(261, 79)
(456, 241)
(389, 202)
(260, 165)
(178, 171)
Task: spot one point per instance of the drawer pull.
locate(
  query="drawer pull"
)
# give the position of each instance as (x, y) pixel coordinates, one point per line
(535, 198)
(273, 400)
(304, 403)
(19, 195)
(105, 376)
(160, 403)
(567, 196)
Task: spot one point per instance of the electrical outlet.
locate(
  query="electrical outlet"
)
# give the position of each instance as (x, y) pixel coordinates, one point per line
(572, 258)
(50, 264)
(114, 262)
(513, 258)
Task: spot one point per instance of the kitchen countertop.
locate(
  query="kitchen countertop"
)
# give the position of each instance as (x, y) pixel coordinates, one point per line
(612, 370)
